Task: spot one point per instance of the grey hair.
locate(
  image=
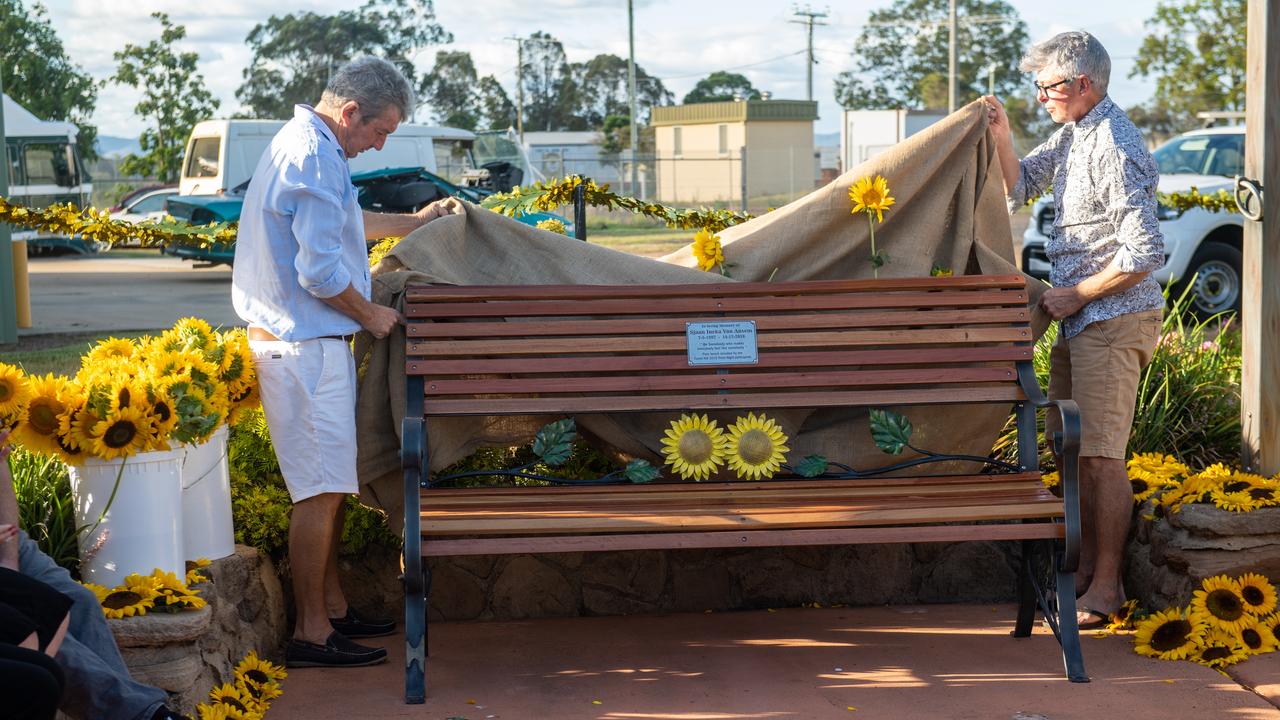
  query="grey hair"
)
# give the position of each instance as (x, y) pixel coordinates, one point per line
(1071, 54)
(374, 84)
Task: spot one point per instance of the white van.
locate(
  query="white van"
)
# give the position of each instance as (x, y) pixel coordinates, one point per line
(222, 154)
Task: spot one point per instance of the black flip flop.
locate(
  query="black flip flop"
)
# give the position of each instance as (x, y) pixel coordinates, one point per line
(1097, 618)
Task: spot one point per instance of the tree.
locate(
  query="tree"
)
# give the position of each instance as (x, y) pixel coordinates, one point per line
(1196, 53)
(450, 90)
(294, 55)
(549, 89)
(497, 112)
(602, 90)
(900, 56)
(174, 98)
(39, 76)
(720, 86)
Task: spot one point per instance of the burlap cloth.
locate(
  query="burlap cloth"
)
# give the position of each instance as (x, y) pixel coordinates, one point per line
(950, 212)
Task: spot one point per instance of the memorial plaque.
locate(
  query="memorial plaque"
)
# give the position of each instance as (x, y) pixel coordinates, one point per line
(722, 343)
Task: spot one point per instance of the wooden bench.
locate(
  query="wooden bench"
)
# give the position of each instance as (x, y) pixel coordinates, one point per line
(574, 350)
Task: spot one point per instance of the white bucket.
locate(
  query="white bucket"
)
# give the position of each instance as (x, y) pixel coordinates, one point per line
(207, 529)
(142, 528)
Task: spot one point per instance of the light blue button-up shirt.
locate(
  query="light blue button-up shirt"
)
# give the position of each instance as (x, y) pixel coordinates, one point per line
(301, 235)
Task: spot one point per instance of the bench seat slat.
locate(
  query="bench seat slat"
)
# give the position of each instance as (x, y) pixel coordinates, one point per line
(712, 381)
(715, 401)
(706, 306)
(655, 343)
(742, 538)
(679, 362)
(454, 293)
(641, 326)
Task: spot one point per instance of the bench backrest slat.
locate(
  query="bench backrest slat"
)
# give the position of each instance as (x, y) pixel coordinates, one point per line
(566, 348)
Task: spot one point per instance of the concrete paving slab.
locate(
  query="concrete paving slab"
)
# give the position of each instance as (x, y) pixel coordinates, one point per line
(940, 661)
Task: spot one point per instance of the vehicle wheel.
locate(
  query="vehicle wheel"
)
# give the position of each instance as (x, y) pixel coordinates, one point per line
(1214, 273)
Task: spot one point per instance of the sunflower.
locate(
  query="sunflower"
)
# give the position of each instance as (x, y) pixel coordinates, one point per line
(76, 425)
(757, 448)
(189, 333)
(108, 351)
(1220, 649)
(870, 196)
(1266, 495)
(13, 390)
(227, 694)
(171, 593)
(694, 445)
(255, 669)
(38, 427)
(1258, 638)
(212, 712)
(1258, 593)
(1167, 469)
(162, 414)
(123, 602)
(1051, 479)
(196, 572)
(1170, 634)
(1232, 501)
(1219, 604)
(1143, 484)
(121, 434)
(261, 693)
(1124, 618)
(98, 590)
(707, 250)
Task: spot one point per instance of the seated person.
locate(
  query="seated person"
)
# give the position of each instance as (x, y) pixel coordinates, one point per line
(33, 622)
(98, 684)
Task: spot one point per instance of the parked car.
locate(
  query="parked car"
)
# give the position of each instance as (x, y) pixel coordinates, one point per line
(144, 204)
(1200, 246)
(395, 190)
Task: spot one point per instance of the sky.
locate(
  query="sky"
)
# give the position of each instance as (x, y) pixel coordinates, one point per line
(678, 41)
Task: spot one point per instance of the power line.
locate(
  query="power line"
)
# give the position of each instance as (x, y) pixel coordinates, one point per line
(734, 67)
(809, 21)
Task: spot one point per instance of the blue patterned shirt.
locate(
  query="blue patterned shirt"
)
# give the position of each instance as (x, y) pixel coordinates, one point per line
(1104, 196)
(301, 235)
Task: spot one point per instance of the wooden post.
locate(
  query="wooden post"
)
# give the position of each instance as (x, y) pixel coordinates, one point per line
(1260, 390)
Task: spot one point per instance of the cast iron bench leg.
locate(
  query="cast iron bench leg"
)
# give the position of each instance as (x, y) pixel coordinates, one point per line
(1069, 631)
(1026, 593)
(414, 460)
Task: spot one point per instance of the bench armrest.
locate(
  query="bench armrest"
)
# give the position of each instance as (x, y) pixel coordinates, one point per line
(1066, 446)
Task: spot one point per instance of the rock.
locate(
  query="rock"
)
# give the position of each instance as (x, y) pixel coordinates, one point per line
(970, 571)
(528, 587)
(160, 629)
(1202, 519)
(622, 582)
(455, 593)
(767, 577)
(870, 574)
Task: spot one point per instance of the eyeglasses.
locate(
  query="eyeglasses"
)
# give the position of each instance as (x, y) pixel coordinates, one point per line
(1046, 88)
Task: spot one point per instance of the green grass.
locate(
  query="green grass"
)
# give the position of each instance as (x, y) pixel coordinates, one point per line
(62, 359)
(646, 241)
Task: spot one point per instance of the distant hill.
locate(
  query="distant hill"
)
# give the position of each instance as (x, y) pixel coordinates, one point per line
(117, 147)
(826, 139)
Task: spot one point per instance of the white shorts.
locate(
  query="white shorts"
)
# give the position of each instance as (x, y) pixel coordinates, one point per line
(309, 399)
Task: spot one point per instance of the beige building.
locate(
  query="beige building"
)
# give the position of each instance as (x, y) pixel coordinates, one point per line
(700, 146)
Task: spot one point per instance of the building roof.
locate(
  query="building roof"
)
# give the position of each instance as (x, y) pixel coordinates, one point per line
(730, 111)
(19, 122)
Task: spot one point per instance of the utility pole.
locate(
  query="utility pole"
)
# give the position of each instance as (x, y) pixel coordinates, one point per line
(631, 91)
(519, 86)
(951, 59)
(809, 20)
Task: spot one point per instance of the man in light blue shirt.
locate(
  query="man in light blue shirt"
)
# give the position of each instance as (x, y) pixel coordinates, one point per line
(301, 282)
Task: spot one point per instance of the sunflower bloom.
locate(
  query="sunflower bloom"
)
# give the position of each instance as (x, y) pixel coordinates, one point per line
(708, 251)
(1237, 501)
(871, 196)
(1168, 635)
(1051, 479)
(1220, 649)
(124, 602)
(1258, 638)
(1219, 604)
(1258, 594)
(256, 669)
(121, 434)
(37, 429)
(757, 447)
(694, 446)
(196, 572)
(108, 351)
(212, 712)
(13, 390)
(227, 694)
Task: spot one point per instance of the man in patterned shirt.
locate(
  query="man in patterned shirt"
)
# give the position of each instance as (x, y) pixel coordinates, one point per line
(1103, 246)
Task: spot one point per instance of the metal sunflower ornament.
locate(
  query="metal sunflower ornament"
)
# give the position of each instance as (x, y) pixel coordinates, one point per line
(871, 195)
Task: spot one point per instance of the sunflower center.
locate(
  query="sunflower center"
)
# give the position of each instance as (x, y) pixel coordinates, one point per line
(6, 390)
(695, 447)
(257, 676)
(120, 434)
(1253, 595)
(1261, 493)
(755, 446)
(1217, 652)
(162, 411)
(43, 418)
(124, 397)
(1252, 638)
(1236, 486)
(1139, 486)
(121, 599)
(234, 703)
(871, 197)
(1225, 605)
(1171, 635)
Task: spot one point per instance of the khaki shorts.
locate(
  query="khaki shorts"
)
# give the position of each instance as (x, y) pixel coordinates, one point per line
(1099, 368)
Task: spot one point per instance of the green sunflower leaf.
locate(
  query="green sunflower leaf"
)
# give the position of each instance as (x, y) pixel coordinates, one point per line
(891, 431)
(640, 471)
(554, 442)
(811, 466)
